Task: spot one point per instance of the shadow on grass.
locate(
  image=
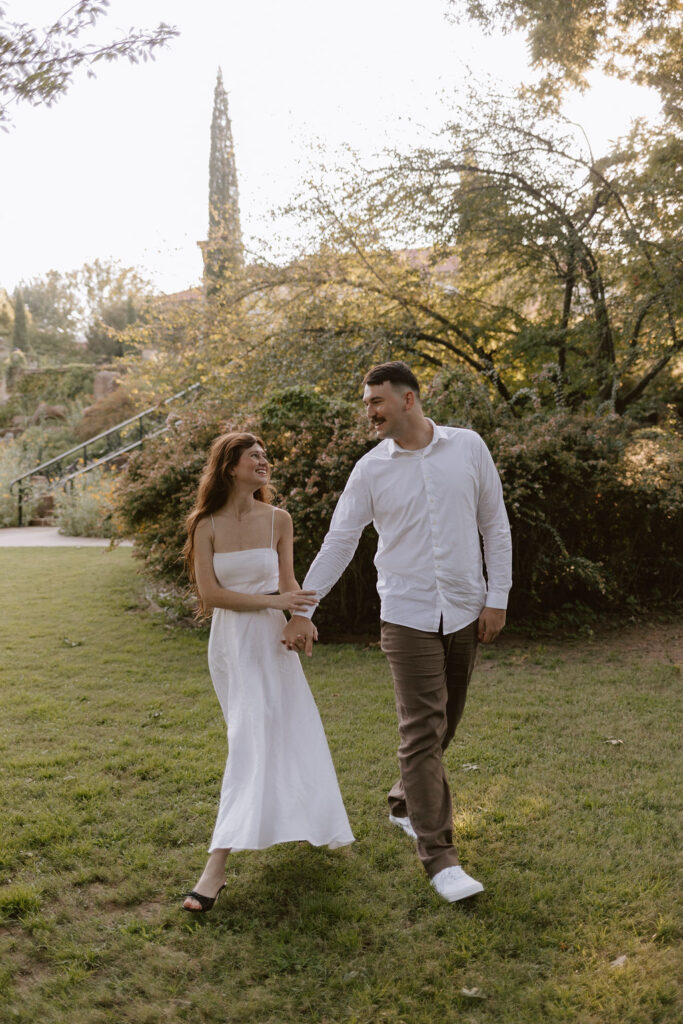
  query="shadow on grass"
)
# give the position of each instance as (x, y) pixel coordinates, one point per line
(292, 886)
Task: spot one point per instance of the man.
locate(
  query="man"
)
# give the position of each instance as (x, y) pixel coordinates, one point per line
(430, 492)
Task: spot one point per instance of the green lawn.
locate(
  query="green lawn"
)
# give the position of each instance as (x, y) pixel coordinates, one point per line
(113, 749)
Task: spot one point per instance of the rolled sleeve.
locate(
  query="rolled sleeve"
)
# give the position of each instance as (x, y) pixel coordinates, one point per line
(492, 522)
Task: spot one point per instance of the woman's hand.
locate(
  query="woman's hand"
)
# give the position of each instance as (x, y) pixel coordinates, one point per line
(295, 601)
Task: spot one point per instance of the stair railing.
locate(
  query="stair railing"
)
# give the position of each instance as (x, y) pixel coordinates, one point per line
(53, 468)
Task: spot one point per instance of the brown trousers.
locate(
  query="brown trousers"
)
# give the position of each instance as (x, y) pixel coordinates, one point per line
(431, 673)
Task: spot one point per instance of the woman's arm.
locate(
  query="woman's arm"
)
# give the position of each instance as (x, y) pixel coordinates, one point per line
(213, 595)
(285, 551)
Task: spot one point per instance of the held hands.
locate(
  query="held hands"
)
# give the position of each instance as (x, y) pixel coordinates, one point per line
(299, 635)
(295, 601)
(491, 621)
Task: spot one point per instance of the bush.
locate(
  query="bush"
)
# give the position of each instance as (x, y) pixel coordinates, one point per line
(55, 384)
(13, 462)
(596, 510)
(44, 441)
(112, 409)
(88, 508)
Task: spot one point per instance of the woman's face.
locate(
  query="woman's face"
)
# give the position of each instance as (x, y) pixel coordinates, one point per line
(252, 467)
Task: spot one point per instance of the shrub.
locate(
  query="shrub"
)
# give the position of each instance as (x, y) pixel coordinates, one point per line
(13, 462)
(596, 510)
(45, 441)
(54, 384)
(112, 409)
(87, 509)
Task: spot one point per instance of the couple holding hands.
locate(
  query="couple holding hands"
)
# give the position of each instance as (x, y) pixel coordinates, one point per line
(431, 491)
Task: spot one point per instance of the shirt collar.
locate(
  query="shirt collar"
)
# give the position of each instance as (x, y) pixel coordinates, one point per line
(438, 435)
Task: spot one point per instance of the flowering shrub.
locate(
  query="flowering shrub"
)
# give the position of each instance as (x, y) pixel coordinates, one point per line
(88, 508)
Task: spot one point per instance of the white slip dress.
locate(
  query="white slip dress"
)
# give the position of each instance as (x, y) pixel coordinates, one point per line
(279, 783)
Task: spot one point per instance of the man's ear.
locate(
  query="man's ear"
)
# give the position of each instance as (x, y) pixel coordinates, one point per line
(410, 399)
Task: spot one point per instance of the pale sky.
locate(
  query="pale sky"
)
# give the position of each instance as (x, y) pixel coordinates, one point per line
(118, 168)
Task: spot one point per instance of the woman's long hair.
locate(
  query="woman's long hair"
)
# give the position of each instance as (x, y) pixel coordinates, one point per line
(215, 485)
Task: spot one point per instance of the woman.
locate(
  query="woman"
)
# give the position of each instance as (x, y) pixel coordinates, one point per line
(279, 783)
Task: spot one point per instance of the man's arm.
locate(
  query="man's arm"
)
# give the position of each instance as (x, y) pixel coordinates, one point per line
(494, 527)
(351, 515)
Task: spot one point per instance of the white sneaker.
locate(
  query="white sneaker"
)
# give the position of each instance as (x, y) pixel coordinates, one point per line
(404, 823)
(453, 884)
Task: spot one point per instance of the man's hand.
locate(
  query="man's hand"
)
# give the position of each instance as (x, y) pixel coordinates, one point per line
(491, 621)
(299, 634)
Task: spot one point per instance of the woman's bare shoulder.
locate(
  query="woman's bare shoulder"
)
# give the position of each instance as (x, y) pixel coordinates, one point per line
(204, 527)
(282, 517)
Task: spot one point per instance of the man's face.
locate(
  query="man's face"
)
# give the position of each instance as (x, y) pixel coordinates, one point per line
(386, 408)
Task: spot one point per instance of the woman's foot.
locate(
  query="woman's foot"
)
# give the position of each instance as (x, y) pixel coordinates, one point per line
(197, 903)
(209, 885)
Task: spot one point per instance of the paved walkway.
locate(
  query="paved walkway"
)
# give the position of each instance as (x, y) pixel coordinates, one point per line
(49, 537)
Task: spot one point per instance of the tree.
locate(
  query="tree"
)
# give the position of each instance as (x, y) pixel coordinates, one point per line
(639, 40)
(551, 274)
(96, 303)
(113, 296)
(20, 332)
(107, 334)
(38, 65)
(6, 315)
(55, 307)
(223, 252)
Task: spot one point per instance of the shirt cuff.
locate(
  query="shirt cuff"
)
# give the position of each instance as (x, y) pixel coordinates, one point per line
(309, 613)
(496, 599)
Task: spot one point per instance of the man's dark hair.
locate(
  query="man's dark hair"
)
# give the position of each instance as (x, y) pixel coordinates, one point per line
(396, 372)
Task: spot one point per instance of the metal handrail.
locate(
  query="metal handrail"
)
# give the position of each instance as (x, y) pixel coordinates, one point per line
(98, 437)
(108, 457)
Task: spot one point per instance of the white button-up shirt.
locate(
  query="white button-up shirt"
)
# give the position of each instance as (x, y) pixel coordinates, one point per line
(429, 507)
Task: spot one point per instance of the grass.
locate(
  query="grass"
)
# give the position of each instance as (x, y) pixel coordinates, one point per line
(113, 749)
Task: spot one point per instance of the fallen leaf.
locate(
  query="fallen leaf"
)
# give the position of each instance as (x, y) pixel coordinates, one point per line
(620, 961)
(72, 643)
(472, 993)
(615, 743)
(470, 767)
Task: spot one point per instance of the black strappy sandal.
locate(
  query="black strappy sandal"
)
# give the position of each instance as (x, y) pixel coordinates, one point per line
(205, 902)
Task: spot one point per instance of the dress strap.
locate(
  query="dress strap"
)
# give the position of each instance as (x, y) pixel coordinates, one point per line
(213, 528)
(272, 527)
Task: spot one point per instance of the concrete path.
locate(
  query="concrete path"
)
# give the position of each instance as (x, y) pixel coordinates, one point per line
(49, 537)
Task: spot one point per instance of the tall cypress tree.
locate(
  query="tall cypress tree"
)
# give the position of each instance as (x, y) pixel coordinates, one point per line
(20, 332)
(223, 253)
